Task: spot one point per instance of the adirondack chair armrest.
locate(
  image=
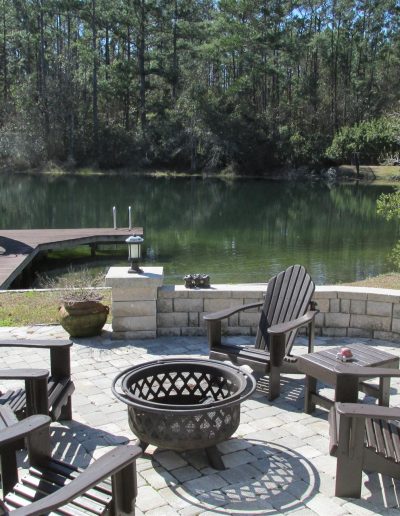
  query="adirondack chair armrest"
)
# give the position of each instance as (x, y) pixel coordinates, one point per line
(60, 360)
(333, 430)
(366, 372)
(35, 388)
(23, 374)
(36, 343)
(214, 321)
(223, 314)
(362, 410)
(108, 465)
(23, 429)
(33, 429)
(347, 431)
(36, 397)
(278, 329)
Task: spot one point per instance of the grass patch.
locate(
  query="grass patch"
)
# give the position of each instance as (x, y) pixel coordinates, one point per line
(390, 280)
(34, 307)
(380, 174)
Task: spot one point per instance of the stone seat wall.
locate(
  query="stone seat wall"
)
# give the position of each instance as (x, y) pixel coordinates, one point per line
(344, 311)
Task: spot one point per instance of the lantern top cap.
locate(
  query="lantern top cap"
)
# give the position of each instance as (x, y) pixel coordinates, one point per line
(134, 239)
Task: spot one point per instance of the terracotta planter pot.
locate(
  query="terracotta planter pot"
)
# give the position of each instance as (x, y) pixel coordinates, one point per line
(83, 318)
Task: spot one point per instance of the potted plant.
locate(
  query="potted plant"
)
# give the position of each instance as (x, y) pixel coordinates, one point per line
(80, 312)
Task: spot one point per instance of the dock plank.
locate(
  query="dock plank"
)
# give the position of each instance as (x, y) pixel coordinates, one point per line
(18, 247)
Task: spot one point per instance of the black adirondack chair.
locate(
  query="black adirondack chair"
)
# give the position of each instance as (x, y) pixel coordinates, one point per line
(286, 308)
(50, 484)
(43, 394)
(364, 437)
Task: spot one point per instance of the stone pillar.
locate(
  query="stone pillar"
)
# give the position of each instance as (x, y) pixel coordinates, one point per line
(134, 302)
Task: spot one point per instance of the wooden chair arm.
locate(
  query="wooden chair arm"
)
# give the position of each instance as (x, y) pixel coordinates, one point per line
(36, 395)
(60, 361)
(23, 374)
(60, 372)
(108, 465)
(366, 372)
(27, 343)
(278, 329)
(23, 428)
(360, 410)
(223, 314)
(35, 431)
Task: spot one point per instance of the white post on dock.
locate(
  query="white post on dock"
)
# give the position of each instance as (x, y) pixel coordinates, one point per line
(115, 217)
(130, 217)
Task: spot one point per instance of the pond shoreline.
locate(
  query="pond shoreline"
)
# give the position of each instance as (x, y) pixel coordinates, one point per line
(379, 174)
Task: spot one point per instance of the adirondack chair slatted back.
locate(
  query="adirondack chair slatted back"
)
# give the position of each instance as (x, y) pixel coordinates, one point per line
(288, 297)
(383, 437)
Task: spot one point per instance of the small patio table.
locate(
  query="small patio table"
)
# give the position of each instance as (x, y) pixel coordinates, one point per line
(320, 366)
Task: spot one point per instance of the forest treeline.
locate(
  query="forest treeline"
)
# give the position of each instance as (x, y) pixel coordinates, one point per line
(197, 84)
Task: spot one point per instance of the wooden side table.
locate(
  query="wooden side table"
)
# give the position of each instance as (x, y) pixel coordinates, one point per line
(321, 366)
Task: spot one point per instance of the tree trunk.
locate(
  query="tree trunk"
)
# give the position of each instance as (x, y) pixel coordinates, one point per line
(4, 63)
(94, 84)
(128, 88)
(175, 71)
(141, 47)
(69, 98)
(42, 86)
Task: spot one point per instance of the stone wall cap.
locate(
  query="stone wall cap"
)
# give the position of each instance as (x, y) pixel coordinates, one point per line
(358, 290)
(116, 272)
(120, 277)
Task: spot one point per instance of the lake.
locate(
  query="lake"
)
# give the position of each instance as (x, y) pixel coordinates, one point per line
(236, 231)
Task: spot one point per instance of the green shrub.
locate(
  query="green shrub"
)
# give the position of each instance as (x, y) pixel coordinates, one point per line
(372, 139)
(394, 256)
(388, 205)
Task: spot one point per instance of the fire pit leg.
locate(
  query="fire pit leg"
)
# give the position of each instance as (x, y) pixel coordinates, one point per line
(143, 445)
(214, 457)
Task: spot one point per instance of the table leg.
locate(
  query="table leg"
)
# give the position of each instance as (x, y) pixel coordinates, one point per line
(384, 391)
(384, 386)
(346, 389)
(310, 388)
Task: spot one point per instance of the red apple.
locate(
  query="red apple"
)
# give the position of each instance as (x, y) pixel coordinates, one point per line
(346, 352)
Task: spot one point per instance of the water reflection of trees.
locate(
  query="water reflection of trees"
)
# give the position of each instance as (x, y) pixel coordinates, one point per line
(239, 225)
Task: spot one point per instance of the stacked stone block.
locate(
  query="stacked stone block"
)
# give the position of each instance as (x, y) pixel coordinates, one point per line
(143, 308)
(180, 310)
(358, 312)
(134, 302)
(344, 311)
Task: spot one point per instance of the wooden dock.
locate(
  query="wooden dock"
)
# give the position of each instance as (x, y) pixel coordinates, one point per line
(18, 247)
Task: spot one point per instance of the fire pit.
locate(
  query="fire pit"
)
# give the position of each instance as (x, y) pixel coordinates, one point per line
(184, 404)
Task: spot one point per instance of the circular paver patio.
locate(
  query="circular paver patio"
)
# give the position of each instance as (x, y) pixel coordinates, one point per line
(276, 463)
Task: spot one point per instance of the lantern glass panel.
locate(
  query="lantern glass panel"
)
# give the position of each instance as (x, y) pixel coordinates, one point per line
(134, 251)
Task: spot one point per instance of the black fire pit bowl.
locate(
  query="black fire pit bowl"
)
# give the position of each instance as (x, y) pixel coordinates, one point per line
(184, 404)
